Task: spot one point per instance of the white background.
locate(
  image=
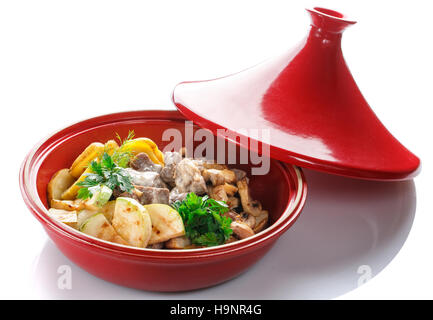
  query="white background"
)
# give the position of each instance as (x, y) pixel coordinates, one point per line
(64, 61)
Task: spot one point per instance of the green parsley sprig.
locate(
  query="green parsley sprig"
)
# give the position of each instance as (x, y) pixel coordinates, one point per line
(109, 171)
(204, 223)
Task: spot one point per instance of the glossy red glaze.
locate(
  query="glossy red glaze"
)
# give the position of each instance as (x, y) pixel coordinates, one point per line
(311, 105)
(149, 269)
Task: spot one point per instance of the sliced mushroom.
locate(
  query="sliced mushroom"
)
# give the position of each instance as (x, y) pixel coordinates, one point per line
(241, 230)
(232, 215)
(240, 174)
(178, 243)
(261, 221)
(233, 202)
(248, 219)
(214, 176)
(158, 245)
(213, 165)
(230, 240)
(218, 193)
(229, 176)
(182, 152)
(230, 189)
(250, 206)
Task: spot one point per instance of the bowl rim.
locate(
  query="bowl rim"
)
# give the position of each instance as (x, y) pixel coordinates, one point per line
(28, 185)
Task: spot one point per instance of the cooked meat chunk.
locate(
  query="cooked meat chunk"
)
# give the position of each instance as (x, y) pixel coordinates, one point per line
(146, 178)
(151, 195)
(168, 172)
(172, 157)
(175, 195)
(188, 177)
(142, 162)
(135, 194)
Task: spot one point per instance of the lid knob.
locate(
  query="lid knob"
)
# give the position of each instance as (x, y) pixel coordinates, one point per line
(327, 20)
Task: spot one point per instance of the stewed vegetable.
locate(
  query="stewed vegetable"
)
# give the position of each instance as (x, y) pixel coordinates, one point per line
(129, 192)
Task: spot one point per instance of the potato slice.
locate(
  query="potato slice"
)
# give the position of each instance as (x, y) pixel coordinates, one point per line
(100, 197)
(108, 209)
(99, 227)
(69, 205)
(132, 222)
(88, 211)
(83, 216)
(95, 149)
(60, 181)
(166, 223)
(64, 216)
(90, 153)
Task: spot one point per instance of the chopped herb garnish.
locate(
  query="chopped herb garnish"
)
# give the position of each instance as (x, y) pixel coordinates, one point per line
(108, 171)
(203, 218)
(122, 155)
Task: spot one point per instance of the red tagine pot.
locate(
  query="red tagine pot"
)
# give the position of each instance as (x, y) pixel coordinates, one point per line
(151, 269)
(305, 101)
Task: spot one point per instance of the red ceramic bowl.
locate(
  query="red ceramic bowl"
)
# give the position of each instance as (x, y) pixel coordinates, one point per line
(282, 192)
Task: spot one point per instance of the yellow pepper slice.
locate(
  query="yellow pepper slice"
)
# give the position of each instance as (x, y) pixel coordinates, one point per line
(80, 164)
(147, 146)
(109, 147)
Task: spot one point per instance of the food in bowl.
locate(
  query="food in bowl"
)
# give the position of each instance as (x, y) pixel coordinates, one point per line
(131, 193)
(282, 191)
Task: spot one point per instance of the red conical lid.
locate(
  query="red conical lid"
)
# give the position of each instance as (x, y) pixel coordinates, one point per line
(310, 104)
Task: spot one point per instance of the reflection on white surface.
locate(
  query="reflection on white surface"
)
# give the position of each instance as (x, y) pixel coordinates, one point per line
(349, 228)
